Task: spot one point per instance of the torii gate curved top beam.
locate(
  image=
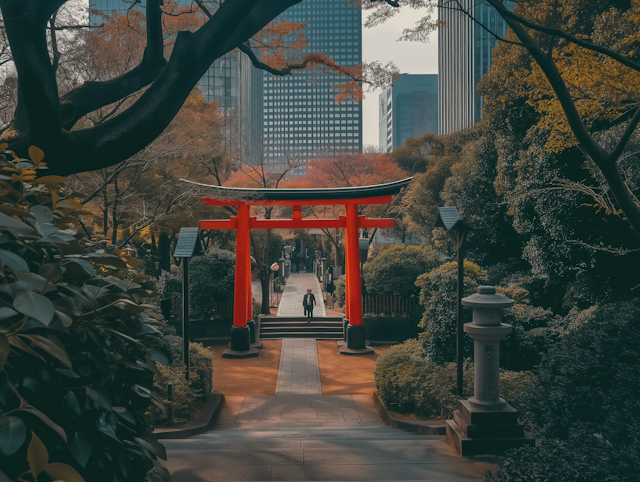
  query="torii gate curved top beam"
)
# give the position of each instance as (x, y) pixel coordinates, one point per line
(244, 198)
(293, 196)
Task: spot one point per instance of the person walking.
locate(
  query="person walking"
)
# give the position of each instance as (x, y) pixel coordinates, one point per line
(308, 302)
(330, 289)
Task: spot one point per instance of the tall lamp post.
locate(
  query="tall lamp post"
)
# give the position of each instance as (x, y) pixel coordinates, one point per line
(187, 246)
(457, 229)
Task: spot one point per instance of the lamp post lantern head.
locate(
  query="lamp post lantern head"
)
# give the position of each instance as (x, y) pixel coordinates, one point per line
(449, 219)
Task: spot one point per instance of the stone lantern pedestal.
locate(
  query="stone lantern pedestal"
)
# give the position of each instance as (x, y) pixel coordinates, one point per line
(485, 423)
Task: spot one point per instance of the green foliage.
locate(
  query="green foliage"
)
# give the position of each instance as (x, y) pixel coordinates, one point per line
(211, 279)
(409, 382)
(186, 397)
(534, 330)
(78, 345)
(438, 296)
(339, 293)
(585, 401)
(397, 268)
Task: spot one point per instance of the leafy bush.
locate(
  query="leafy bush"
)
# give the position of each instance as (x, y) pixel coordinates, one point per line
(409, 382)
(585, 402)
(201, 364)
(397, 268)
(77, 344)
(533, 332)
(339, 293)
(186, 397)
(438, 296)
(211, 279)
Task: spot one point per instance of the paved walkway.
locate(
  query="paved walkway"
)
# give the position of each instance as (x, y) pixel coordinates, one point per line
(312, 437)
(294, 291)
(299, 372)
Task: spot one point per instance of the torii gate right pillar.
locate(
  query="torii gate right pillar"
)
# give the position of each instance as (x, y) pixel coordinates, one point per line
(356, 339)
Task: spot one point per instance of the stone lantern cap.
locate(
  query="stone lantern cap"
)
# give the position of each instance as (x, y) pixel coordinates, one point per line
(486, 297)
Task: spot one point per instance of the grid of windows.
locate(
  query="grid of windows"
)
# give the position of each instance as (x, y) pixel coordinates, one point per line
(464, 56)
(408, 109)
(300, 117)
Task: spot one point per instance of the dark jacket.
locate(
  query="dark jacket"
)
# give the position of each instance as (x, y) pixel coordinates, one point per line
(311, 301)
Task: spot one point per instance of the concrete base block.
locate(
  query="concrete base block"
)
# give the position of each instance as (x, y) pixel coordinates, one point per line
(477, 430)
(229, 353)
(494, 446)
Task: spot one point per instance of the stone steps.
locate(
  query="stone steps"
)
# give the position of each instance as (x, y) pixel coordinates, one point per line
(299, 327)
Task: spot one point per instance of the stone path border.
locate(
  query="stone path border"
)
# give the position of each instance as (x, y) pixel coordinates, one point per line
(420, 427)
(207, 419)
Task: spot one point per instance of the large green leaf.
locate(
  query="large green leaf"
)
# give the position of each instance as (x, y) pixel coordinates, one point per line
(80, 447)
(30, 282)
(17, 228)
(7, 313)
(34, 305)
(99, 394)
(54, 426)
(13, 433)
(13, 261)
(54, 349)
(158, 356)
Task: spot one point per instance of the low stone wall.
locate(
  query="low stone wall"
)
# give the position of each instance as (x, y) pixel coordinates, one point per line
(390, 328)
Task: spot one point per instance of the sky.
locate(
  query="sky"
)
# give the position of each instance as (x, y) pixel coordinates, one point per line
(380, 43)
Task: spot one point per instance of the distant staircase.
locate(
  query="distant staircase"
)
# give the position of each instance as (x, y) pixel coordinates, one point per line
(327, 328)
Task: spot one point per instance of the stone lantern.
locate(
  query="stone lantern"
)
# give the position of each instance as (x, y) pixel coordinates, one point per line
(485, 423)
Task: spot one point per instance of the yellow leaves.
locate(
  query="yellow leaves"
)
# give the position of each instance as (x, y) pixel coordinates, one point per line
(36, 154)
(38, 459)
(37, 456)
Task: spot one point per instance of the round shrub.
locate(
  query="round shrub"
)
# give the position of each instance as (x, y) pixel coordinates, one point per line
(410, 383)
(211, 279)
(396, 269)
(438, 296)
(584, 404)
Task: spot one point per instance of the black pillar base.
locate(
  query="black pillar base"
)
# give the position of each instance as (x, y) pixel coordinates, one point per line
(240, 346)
(356, 337)
(356, 341)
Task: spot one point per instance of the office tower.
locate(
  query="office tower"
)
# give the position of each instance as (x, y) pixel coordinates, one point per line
(464, 56)
(408, 109)
(227, 81)
(300, 118)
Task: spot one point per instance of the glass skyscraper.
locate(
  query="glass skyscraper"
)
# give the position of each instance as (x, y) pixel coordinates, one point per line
(300, 118)
(408, 109)
(464, 56)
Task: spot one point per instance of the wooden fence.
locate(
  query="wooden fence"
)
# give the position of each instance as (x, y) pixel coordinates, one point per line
(388, 305)
(176, 306)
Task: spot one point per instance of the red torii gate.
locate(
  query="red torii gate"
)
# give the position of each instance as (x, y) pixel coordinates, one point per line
(244, 198)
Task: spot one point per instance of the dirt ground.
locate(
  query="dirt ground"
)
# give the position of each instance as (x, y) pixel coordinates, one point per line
(247, 376)
(346, 374)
